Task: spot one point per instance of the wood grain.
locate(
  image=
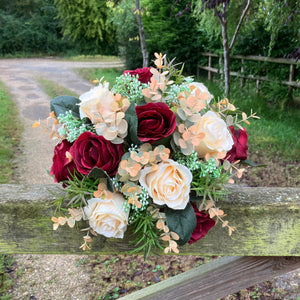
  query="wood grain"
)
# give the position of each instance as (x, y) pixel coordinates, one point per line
(267, 220)
(218, 278)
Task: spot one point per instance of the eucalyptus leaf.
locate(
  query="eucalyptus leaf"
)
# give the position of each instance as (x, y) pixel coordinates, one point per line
(99, 173)
(132, 120)
(62, 104)
(183, 222)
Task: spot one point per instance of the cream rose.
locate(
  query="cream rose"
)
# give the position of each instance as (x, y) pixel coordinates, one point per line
(168, 185)
(96, 103)
(203, 89)
(217, 138)
(106, 216)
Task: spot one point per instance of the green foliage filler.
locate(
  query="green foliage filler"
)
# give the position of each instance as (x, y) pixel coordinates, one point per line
(183, 222)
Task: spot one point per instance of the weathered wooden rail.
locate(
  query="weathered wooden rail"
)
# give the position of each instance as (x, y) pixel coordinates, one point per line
(292, 81)
(265, 244)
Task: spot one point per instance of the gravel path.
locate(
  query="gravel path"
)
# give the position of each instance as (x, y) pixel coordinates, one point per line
(20, 76)
(56, 276)
(44, 277)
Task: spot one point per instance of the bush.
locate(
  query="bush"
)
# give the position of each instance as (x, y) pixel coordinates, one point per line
(36, 34)
(171, 29)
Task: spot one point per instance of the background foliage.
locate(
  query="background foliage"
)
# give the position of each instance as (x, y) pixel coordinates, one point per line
(179, 28)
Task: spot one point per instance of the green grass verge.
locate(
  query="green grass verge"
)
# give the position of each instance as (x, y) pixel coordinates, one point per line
(10, 134)
(97, 58)
(53, 89)
(277, 133)
(6, 283)
(109, 75)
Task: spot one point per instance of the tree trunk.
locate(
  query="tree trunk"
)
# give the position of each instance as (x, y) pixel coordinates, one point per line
(226, 60)
(141, 34)
(226, 49)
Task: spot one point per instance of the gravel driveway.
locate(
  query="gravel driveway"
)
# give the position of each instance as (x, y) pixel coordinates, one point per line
(44, 276)
(20, 76)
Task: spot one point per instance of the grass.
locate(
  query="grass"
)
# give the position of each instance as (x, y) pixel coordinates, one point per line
(53, 89)
(6, 262)
(109, 75)
(277, 131)
(10, 134)
(98, 58)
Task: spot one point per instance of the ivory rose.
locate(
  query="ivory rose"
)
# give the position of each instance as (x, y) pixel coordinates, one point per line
(106, 216)
(96, 103)
(169, 184)
(216, 140)
(194, 86)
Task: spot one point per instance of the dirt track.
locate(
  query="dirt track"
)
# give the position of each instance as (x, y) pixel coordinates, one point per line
(20, 76)
(42, 276)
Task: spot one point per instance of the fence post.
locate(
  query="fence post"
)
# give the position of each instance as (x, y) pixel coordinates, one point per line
(209, 66)
(220, 67)
(257, 86)
(242, 73)
(291, 78)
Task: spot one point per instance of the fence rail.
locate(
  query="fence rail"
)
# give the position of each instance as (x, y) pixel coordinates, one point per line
(265, 244)
(291, 82)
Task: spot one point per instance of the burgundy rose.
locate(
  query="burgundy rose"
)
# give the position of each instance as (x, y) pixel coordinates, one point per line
(91, 150)
(239, 148)
(204, 224)
(62, 167)
(155, 121)
(143, 73)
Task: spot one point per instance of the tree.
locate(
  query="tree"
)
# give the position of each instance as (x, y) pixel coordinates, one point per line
(171, 29)
(144, 51)
(220, 9)
(86, 21)
(123, 17)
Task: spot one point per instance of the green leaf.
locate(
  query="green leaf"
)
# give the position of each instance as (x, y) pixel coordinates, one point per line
(183, 222)
(164, 141)
(131, 118)
(99, 173)
(62, 104)
(250, 163)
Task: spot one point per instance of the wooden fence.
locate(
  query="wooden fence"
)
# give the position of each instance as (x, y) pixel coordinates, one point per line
(291, 82)
(265, 244)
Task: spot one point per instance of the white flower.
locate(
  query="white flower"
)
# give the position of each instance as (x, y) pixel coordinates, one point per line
(217, 139)
(194, 86)
(96, 104)
(106, 216)
(168, 184)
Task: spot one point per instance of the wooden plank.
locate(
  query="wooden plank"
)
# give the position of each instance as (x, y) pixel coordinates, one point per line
(218, 278)
(210, 69)
(257, 58)
(267, 220)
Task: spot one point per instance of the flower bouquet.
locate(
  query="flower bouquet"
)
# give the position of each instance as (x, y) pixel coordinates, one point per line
(153, 152)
